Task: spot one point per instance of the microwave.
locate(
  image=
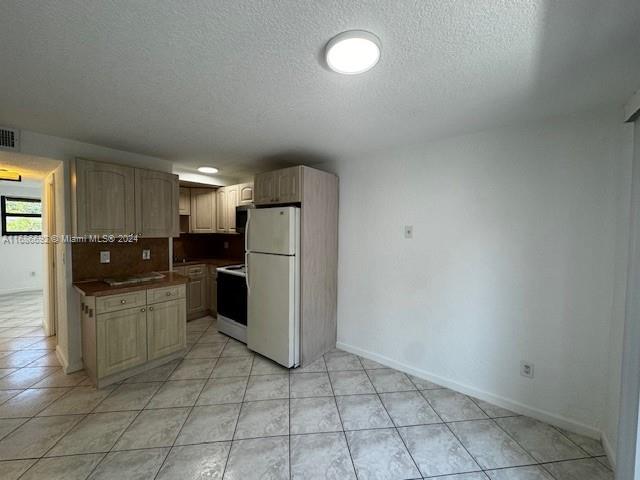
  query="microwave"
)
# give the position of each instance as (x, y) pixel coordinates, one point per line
(242, 214)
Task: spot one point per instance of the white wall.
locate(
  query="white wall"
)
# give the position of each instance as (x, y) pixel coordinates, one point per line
(19, 261)
(513, 258)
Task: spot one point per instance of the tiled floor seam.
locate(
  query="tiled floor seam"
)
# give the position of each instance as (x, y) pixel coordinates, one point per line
(185, 418)
(119, 436)
(393, 422)
(344, 433)
(538, 462)
(452, 432)
(235, 428)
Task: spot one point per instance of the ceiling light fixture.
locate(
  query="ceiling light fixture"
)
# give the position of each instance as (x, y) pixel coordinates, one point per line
(353, 52)
(208, 169)
(10, 176)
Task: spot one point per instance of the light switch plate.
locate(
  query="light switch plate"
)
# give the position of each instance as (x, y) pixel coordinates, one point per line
(146, 254)
(105, 257)
(408, 231)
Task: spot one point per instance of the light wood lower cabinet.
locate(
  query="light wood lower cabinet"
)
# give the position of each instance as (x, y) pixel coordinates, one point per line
(122, 340)
(166, 328)
(213, 290)
(197, 303)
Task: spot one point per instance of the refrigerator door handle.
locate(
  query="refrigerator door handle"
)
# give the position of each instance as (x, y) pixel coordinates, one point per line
(246, 232)
(246, 269)
(246, 250)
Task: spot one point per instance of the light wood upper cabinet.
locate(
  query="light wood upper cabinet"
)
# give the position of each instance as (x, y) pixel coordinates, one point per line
(245, 193)
(232, 202)
(166, 328)
(184, 203)
(156, 202)
(121, 340)
(265, 188)
(203, 210)
(288, 182)
(110, 199)
(279, 186)
(222, 210)
(103, 198)
(225, 201)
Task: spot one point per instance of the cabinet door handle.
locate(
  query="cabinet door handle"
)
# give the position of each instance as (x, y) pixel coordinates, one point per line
(168, 294)
(123, 301)
(142, 309)
(151, 309)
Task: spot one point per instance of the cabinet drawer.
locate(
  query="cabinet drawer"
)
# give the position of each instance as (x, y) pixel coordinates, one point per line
(163, 294)
(195, 270)
(113, 303)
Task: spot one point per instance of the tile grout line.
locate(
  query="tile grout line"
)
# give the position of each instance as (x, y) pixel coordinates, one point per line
(395, 427)
(93, 411)
(344, 433)
(235, 428)
(451, 430)
(522, 446)
(135, 418)
(167, 380)
(186, 418)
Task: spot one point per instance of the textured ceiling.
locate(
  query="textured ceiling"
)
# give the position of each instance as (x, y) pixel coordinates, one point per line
(240, 83)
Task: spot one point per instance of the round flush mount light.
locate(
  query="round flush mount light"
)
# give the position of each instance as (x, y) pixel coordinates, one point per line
(353, 52)
(208, 169)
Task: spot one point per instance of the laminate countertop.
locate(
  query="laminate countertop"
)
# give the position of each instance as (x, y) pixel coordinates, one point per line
(218, 262)
(98, 288)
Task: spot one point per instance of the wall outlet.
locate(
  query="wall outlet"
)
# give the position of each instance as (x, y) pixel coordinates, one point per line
(408, 231)
(32, 274)
(146, 254)
(226, 244)
(105, 257)
(526, 369)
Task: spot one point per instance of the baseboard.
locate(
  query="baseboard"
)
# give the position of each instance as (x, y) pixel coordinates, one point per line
(608, 449)
(62, 358)
(13, 291)
(509, 404)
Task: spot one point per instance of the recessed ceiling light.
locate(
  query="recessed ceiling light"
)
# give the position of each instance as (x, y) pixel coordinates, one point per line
(208, 169)
(353, 52)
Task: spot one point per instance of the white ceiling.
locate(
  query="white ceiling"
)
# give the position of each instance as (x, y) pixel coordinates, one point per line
(232, 82)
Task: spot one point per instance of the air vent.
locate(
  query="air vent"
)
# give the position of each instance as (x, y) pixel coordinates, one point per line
(9, 139)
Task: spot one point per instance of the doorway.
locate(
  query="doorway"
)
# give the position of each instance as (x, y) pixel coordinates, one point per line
(51, 319)
(29, 277)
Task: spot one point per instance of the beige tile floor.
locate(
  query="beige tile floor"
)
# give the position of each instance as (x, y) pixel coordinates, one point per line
(223, 412)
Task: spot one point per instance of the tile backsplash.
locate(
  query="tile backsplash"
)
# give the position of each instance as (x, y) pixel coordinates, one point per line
(126, 258)
(199, 245)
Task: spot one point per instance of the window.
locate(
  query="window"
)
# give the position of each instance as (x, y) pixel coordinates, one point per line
(21, 216)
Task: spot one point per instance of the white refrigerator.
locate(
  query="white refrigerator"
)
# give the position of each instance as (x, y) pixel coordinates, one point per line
(272, 261)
